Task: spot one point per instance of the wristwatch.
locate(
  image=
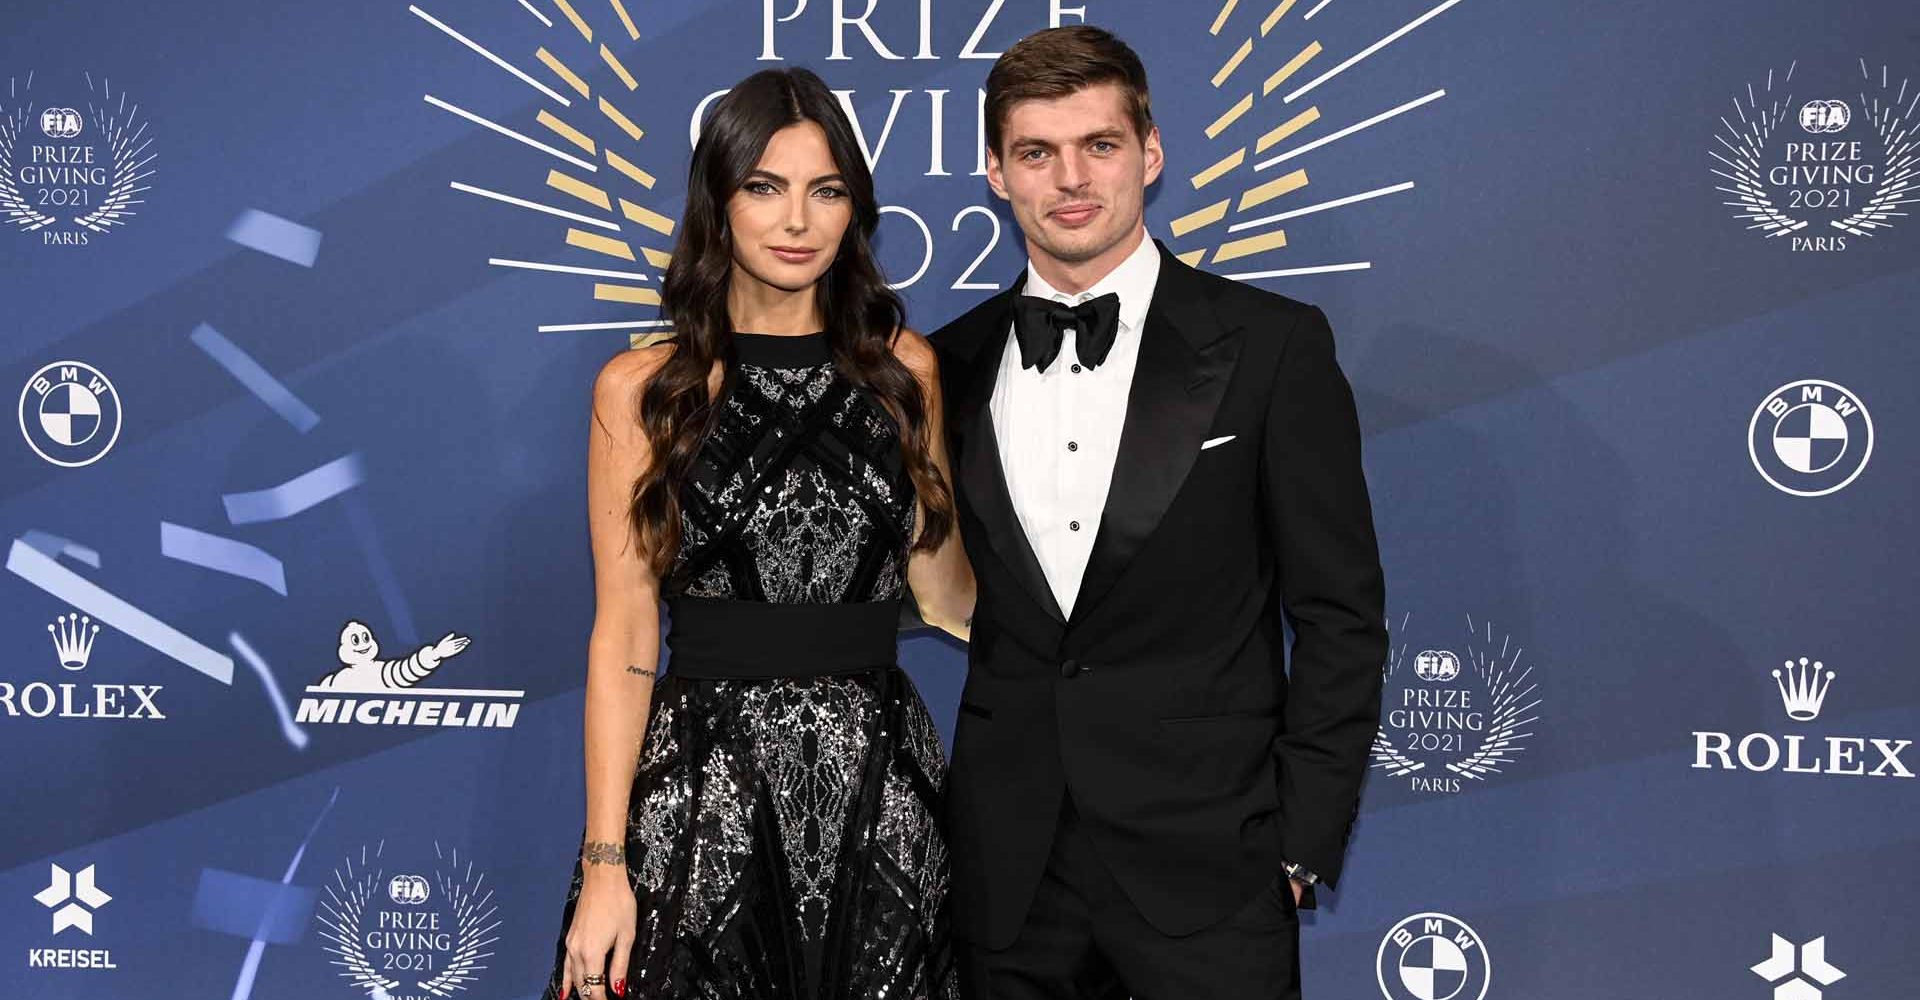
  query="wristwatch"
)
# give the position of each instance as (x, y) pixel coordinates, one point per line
(1299, 873)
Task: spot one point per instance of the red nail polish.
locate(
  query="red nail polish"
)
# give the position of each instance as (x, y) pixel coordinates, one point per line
(620, 987)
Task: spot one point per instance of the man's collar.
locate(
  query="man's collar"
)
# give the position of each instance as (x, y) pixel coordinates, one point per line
(1133, 279)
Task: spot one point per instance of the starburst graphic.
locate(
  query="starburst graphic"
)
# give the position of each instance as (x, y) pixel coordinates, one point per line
(1294, 128)
(581, 134)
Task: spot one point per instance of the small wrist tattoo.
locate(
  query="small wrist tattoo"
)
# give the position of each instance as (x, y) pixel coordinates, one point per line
(641, 671)
(603, 852)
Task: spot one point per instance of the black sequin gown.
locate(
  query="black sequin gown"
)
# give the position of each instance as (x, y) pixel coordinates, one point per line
(781, 840)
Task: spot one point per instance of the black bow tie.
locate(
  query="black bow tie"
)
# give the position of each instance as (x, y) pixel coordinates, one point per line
(1040, 323)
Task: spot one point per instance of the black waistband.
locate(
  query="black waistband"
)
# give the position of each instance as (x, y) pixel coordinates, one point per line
(719, 638)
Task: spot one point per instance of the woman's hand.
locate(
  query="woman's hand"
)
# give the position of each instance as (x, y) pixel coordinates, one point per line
(603, 924)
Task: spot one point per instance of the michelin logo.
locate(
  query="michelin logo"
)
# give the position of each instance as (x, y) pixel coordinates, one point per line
(399, 697)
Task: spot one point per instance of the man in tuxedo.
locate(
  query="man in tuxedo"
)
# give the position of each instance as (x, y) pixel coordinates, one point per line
(1156, 469)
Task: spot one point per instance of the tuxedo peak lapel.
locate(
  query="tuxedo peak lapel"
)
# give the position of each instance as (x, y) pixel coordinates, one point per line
(981, 474)
(1186, 359)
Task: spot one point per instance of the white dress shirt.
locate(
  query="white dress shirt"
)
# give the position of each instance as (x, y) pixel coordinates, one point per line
(1059, 430)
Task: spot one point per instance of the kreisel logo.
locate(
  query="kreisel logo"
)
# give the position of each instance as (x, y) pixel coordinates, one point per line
(1810, 437)
(69, 413)
(74, 897)
(388, 692)
(1795, 972)
(408, 924)
(73, 638)
(1826, 170)
(1464, 715)
(1803, 686)
(1432, 956)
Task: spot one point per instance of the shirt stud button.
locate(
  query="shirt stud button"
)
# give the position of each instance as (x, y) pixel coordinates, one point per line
(1076, 369)
(1073, 446)
(1073, 525)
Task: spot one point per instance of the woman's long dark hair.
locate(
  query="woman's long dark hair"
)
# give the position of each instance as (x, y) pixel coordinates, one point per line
(862, 315)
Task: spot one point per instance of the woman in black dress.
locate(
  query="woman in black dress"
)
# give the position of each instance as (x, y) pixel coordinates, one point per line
(760, 819)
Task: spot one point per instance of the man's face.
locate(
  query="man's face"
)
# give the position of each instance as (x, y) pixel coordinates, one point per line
(1074, 172)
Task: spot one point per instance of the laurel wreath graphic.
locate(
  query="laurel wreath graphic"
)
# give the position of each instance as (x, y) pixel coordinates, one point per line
(474, 916)
(1509, 685)
(18, 211)
(1745, 143)
(474, 919)
(126, 168)
(347, 903)
(1512, 691)
(1897, 168)
(130, 157)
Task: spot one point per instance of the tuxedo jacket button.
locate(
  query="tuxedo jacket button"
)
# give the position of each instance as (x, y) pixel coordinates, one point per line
(1069, 668)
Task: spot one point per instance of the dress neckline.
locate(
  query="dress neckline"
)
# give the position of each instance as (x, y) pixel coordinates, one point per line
(781, 350)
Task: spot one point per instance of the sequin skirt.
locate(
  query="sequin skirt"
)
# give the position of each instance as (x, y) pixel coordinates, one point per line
(781, 843)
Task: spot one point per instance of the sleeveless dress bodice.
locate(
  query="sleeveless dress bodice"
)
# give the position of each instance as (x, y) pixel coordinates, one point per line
(794, 523)
(799, 495)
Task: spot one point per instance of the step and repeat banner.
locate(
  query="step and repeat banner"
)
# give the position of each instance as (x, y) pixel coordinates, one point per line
(303, 305)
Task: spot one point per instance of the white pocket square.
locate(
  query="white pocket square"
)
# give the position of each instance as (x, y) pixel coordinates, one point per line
(1212, 442)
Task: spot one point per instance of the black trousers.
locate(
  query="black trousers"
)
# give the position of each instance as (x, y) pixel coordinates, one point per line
(1084, 939)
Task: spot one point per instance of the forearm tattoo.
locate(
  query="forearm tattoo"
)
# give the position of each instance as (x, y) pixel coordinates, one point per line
(603, 852)
(640, 670)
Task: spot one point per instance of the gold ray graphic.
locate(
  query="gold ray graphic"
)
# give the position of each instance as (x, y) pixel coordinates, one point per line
(1293, 66)
(1215, 172)
(1233, 63)
(1232, 115)
(626, 19)
(1287, 128)
(626, 166)
(1192, 258)
(607, 292)
(647, 217)
(600, 244)
(1279, 11)
(639, 340)
(564, 130)
(1264, 193)
(1226, 10)
(613, 61)
(592, 195)
(1251, 245)
(626, 124)
(658, 258)
(1202, 217)
(560, 70)
(574, 16)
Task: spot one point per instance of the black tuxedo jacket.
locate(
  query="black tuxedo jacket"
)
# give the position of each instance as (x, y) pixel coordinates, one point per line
(1197, 758)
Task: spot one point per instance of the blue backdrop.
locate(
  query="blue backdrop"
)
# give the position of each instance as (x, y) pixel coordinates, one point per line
(305, 300)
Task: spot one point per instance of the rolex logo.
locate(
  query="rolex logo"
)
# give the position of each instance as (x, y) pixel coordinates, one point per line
(73, 639)
(1802, 690)
(1803, 686)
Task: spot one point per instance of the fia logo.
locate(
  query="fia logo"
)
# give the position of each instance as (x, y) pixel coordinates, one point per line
(1810, 438)
(1464, 716)
(1841, 179)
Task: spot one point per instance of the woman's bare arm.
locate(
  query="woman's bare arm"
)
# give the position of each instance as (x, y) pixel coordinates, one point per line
(941, 580)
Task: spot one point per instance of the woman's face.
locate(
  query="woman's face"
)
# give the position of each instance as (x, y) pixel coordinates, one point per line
(789, 214)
